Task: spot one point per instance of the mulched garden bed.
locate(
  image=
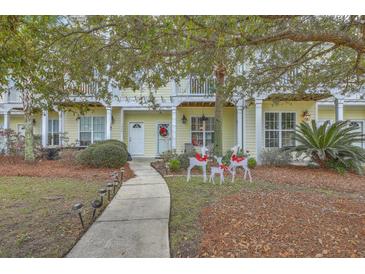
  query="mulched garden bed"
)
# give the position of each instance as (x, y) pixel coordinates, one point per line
(15, 166)
(283, 224)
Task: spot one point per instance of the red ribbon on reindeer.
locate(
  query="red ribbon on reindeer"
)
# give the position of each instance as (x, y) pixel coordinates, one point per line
(224, 167)
(200, 158)
(237, 159)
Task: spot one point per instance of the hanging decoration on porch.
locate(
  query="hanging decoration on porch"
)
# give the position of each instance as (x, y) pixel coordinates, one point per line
(163, 131)
(306, 116)
(198, 160)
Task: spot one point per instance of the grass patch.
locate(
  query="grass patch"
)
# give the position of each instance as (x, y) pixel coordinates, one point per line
(36, 214)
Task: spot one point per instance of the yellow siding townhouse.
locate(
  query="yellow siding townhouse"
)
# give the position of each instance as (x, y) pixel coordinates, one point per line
(184, 118)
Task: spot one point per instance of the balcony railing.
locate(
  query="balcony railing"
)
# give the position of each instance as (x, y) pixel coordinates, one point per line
(196, 87)
(14, 96)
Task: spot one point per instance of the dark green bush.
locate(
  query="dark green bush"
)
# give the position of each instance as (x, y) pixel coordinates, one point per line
(111, 141)
(174, 164)
(251, 162)
(103, 155)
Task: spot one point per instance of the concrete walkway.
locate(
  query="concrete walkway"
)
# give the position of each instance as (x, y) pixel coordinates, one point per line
(135, 223)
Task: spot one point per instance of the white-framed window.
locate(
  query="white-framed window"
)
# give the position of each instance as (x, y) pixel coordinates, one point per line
(360, 128)
(321, 122)
(202, 132)
(279, 129)
(92, 129)
(53, 132)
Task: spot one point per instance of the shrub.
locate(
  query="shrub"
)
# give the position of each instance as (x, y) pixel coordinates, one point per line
(168, 155)
(112, 141)
(51, 153)
(275, 157)
(184, 159)
(68, 155)
(251, 162)
(329, 143)
(103, 155)
(174, 164)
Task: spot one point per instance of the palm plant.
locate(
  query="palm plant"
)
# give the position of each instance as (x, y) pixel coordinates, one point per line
(331, 143)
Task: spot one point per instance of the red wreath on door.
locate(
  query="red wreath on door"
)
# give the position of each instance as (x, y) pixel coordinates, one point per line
(163, 131)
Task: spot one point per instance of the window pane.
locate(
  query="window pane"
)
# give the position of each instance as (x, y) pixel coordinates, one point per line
(50, 139)
(85, 138)
(209, 138)
(288, 120)
(49, 126)
(99, 124)
(197, 138)
(209, 124)
(271, 120)
(271, 138)
(85, 124)
(196, 124)
(288, 138)
(56, 139)
(55, 126)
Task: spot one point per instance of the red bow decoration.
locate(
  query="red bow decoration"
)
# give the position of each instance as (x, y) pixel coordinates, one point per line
(200, 158)
(237, 159)
(163, 131)
(224, 167)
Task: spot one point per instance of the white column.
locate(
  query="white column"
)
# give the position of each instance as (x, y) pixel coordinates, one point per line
(239, 111)
(174, 88)
(108, 123)
(258, 103)
(173, 128)
(61, 126)
(6, 120)
(44, 128)
(339, 109)
(244, 124)
(122, 124)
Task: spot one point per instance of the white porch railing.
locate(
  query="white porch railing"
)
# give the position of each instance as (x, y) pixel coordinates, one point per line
(14, 96)
(194, 86)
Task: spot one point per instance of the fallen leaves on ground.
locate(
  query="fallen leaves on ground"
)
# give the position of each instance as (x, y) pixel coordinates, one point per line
(283, 224)
(56, 169)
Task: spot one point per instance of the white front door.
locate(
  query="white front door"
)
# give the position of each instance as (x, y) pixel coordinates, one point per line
(136, 138)
(163, 138)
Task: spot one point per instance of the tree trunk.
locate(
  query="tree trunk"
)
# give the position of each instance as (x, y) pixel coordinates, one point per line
(218, 112)
(29, 155)
(29, 138)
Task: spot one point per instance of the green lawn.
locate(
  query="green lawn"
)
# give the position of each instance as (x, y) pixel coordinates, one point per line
(188, 199)
(36, 218)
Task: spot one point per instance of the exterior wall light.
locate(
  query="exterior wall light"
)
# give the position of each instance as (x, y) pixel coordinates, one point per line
(184, 120)
(77, 209)
(306, 116)
(204, 118)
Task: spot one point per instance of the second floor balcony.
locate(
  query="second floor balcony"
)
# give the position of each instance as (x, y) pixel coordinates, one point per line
(196, 87)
